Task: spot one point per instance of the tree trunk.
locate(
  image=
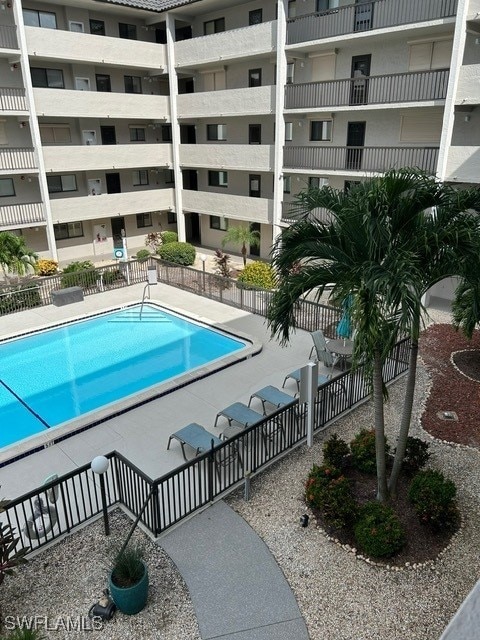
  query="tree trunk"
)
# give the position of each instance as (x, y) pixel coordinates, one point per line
(407, 409)
(382, 492)
(244, 255)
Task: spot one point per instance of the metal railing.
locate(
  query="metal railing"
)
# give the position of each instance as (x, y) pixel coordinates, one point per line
(20, 158)
(366, 16)
(415, 86)
(12, 99)
(21, 214)
(209, 476)
(8, 37)
(360, 158)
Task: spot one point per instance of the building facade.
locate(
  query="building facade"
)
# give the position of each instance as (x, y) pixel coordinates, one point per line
(127, 117)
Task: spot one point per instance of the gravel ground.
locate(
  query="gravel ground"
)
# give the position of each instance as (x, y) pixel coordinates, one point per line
(340, 596)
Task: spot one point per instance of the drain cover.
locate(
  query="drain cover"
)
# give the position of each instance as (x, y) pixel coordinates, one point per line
(447, 415)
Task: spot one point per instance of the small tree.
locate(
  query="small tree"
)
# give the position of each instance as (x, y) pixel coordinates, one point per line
(242, 235)
(153, 240)
(15, 256)
(222, 264)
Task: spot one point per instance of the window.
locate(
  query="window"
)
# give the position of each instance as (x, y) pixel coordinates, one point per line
(213, 26)
(288, 131)
(254, 134)
(325, 5)
(218, 179)
(133, 84)
(45, 19)
(82, 84)
(349, 184)
(320, 130)
(171, 217)
(166, 132)
(421, 127)
(314, 182)
(290, 72)
(216, 131)
(292, 8)
(59, 184)
(219, 223)
(255, 78)
(127, 31)
(76, 26)
(255, 17)
(287, 184)
(430, 55)
(7, 187)
(214, 80)
(140, 177)
(68, 230)
(103, 82)
(169, 176)
(52, 78)
(254, 182)
(55, 134)
(137, 134)
(144, 220)
(97, 27)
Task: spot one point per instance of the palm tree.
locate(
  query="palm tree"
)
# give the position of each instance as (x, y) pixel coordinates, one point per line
(243, 236)
(15, 256)
(375, 248)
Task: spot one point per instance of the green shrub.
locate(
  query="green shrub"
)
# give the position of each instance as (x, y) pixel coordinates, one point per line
(143, 254)
(363, 451)
(378, 532)
(335, 451)
(433, 497)
(330, 492)
(259, 275)
(20, 297)
(45, 267)
(169, 236)
(416, 455)
(177, 252)
(109, 277)
(79, 274)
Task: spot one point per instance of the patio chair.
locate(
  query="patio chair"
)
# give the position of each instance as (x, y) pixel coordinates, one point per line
(296, 375)
(273, 396)
(196, 437)
(242, 414)
(319, 343)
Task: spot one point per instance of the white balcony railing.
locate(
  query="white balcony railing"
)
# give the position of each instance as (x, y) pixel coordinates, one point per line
(21, 215)
(233, 207)
(17, 159)
(110, 204)
(8, 37)
(12, 99)
(120, 156)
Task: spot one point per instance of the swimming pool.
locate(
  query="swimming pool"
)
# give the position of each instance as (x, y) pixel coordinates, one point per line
(58, 375)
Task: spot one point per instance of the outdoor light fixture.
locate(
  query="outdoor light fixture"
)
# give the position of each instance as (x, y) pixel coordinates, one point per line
(304, 520)
(99, 466)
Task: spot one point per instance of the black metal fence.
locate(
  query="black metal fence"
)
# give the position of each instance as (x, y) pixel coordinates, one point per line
(53, 510)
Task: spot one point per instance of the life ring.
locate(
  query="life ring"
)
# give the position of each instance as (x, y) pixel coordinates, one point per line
(41, 521)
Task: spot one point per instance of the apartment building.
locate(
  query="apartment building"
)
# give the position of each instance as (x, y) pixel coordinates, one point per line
(123, 117)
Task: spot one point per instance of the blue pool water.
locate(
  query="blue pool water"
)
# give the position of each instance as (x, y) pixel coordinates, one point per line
(68, 371)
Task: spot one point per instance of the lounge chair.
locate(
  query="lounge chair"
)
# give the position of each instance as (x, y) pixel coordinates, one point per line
(296, 375)
(196, 436)
(241, 413)
(273, 396)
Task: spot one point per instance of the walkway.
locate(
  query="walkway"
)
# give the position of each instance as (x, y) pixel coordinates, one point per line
(238, 590)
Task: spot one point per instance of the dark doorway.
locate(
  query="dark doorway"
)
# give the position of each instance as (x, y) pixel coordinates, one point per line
(183, 33)
(186, 85)
(363, 18)
(255, 250)
(193, 228)
(190, 179)
(355, 140)
(360, 74)
(118, 225)
(113, 183)
(188, 134)
(254, 134)
(254, 185)
(108, 135)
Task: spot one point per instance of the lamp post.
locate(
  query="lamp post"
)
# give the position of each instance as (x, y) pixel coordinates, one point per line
(99, 465)
(203, 258)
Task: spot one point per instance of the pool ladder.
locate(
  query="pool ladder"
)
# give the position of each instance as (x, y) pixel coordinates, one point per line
(152, 278)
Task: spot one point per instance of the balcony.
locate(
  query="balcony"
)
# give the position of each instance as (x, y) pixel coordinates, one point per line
(110, 204)
(360, 159)
(120, 156)
(12, 100)
(16, 160)
(468, 91)
(233, 207)
(96, 104)
(290, 213)
(243, 157)
(463, 163)
(8, 37)
(418, 86)
(234, 44)
(228, 102)
(366, 16)
(27, 214)
(70, 46)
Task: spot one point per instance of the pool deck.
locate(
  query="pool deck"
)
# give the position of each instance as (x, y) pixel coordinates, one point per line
(142, 433)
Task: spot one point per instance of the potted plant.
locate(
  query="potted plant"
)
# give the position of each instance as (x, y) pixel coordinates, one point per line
(128, 582)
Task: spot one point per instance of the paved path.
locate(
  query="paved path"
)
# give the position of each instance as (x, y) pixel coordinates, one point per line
(238, 590)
